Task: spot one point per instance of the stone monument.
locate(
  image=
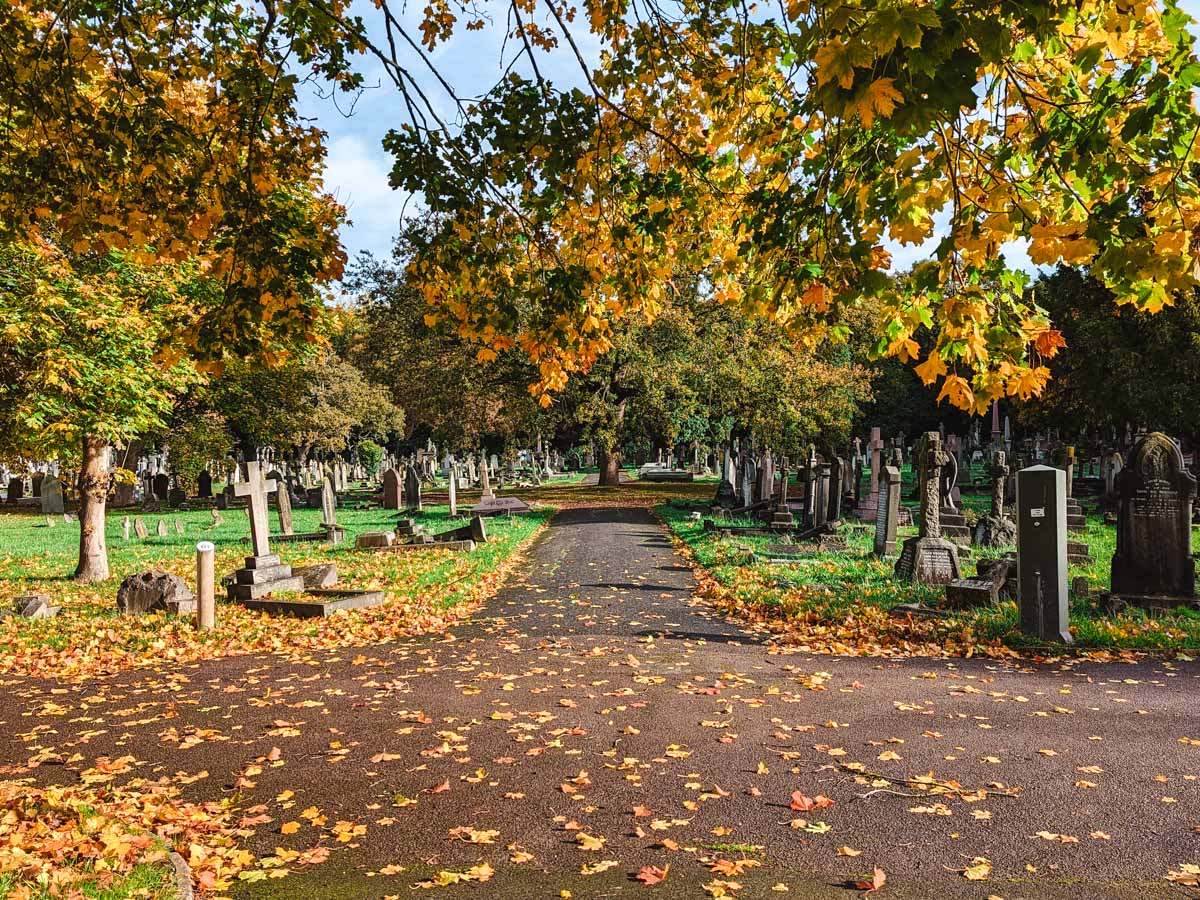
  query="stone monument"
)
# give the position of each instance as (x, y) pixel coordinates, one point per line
(929, 558)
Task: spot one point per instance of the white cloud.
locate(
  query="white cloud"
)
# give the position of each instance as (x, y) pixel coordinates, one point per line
(356, 173)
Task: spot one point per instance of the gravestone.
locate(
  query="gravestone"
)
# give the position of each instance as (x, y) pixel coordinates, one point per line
(283, 508)
(866, 505)
(16, 489)
(125, 525)
(782, 517)
(52, 496)
(178, 527)
(821, 495)
(887, 513)
(929, 558)
(997, 529)
(146, 592)
(334, 533)
(161, 528)
(1153, 565)
(726, 496)
(216, 517)
(204, 485)
(36, 484)
(391, 489)
(452, 490)
(412, 488)
(485, 481)
(1042, 552)
(263, 573)
(161, 486)
(139, 528)
(836, 468)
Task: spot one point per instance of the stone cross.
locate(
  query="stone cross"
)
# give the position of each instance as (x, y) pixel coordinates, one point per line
(255, 488)
(932, 458)
(999, 473)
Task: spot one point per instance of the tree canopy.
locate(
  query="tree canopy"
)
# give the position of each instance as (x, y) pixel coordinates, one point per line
(776, 150)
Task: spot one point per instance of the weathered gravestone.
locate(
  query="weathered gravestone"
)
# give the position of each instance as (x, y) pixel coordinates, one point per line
(334, 533)
(866, 505)
(146, 592)
(996, 528)
(1153, 565)
(929, 558)
(391, 489)
(204, 485)
(283, 508)
(887, 513)
(1042, 552)
(452, 489)
(139, 528)
(125, 526)
(161, 486)
(52, 496)
(161, 528)
(412, 488)
(263, 572)
(485, 481)
(16, 489)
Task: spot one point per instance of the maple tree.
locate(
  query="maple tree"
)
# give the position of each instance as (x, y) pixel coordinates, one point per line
(779, 150)
(162, 137)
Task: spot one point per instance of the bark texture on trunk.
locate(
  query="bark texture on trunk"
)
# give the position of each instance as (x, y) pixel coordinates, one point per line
(93, 493)
(610, 468)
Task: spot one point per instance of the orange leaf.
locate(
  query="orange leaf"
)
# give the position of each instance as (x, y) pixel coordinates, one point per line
(652, 874)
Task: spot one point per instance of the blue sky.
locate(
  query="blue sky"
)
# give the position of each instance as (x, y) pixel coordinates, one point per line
(357, 169)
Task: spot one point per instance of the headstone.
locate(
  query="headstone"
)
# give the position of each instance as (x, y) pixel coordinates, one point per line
(139, 528)
(333, 532)
(204, 485)
(161, 528)
(36, 484)
(886, 513)
(256, 490)
(34, 606)
(485, 481)
(216, 517)
(321, 575)
(16, 489)
(146, 592)
(52, 496)
(866, 507)
(161, 486)
(836, 468)
(1153, 565)
(997, 529)
(125, 525)
(283, 508)
(412, 489)
(1042, 552)
(374, 540)
(821, 495)
(929, 558)
(452, 490)
(178, 527)
(391, 489)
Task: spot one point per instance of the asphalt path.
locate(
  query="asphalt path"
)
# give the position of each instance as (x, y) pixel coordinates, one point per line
(597, 717)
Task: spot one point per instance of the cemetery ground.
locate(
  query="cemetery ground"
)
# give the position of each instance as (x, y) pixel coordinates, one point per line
(597, 728)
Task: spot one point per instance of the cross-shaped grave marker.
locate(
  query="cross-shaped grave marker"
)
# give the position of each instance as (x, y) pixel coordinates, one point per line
(255, 488)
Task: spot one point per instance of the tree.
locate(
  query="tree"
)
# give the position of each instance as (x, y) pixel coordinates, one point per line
(775, 151)
(1120, 365)
(80, 366)
(321, 404)
(161, 135)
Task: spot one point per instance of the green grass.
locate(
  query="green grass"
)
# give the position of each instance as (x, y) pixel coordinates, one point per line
(144, 882)
(827, 588)
(90, 635)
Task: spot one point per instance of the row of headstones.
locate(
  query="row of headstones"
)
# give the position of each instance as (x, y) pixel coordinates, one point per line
(750, 484)
(1153, 565)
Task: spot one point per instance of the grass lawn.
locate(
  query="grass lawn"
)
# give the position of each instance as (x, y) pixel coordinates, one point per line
(144, 882)
(425, 590)
(839, 602)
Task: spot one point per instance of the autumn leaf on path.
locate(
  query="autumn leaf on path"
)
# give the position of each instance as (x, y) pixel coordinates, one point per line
(877, 881)
(980, 869)
(802, 803)
(652, 874)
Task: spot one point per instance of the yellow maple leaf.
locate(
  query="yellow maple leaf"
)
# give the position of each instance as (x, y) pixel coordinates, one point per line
(932, 369)
(878, 99)
(958, 392)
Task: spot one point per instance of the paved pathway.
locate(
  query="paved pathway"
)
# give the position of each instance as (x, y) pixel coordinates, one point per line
(596, 697)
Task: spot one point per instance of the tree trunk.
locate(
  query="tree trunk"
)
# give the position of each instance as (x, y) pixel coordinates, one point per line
(610, 467)
(93, 493)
